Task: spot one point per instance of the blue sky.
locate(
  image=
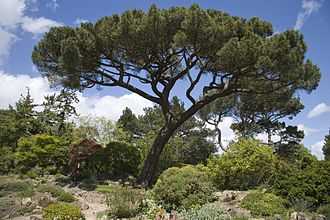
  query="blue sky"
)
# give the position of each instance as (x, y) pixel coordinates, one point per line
(23, 22)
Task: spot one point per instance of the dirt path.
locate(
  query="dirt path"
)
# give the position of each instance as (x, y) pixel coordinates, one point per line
(90, 202)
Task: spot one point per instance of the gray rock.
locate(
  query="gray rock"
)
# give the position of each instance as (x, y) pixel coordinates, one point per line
(299, 216)
(35, 217)
(45, 199)
(26, 202)
(320, 217)
(37, 210)
(277, 217)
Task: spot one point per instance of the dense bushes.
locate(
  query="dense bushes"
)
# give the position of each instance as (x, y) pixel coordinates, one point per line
(117, 160)
(245, 165)
(48, 153)
(123, 201)
(62, 211)
(6, 160)
(310, 185)
(208, 211)
(184, 187)
(13, 185)
(57, 192)
(324, 210)
(264, 204)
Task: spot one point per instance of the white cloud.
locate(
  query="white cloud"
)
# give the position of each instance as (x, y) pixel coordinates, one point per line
(307, 130)
(263, 137)
(13, 17)
(227, 134)
(316, 149)
(38, 25)
(11, 87)
(110, 106)
(7, 39)
(11, 12)
(318, 110)
(78, 21)
(308, 7)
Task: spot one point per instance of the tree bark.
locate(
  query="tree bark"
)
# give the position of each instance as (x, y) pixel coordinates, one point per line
(269, 136)
(148, 172)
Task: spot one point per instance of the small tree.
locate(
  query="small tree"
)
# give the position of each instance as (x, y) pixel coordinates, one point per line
(129, 122)
(57, 109)
(261, 113)
(151, 53)
(326, 147)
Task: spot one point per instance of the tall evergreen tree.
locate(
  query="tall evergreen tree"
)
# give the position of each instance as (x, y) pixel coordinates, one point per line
(149, 53)
(57, 110)
(129, 122)
(326, 147)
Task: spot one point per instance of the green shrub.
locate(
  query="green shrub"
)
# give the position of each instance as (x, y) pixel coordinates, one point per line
(62, 211)
(42, 151)
(246, 164)
(66, 197)
(264, 204)
(123, 201)
(57, 192)
(184, 187)
(12, 185)
(310, 185)
(206, 212)
(324, 210)
(118, 160)
(150, 208)
(6, 160)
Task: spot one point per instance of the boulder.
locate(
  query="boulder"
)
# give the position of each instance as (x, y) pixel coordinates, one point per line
(299, 216)
(320, 217)
(35, 217)
(44, 199)
(230, 195)
(26, 202)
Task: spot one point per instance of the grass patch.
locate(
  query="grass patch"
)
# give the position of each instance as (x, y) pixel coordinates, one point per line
(57, 192)
(13, 186)
(123, 201)
(324, 210)
(62, 211)
(264, 204)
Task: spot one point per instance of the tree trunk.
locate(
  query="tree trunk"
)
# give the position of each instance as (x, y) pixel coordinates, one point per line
(269, 135)
(151, 162)
(219, 134)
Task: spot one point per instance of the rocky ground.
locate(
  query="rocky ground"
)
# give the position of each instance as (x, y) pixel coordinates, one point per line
(90, 202)
(93, 203)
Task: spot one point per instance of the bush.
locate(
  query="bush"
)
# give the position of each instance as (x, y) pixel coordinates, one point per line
(6, 160)
(184, 187)
(57, 192)
(324, 210)
(123, 201)
(310, 185)
(62, 211)
(42, 151)
(246, 164)
(208, 211)
(264, 204)
(118, 160)
(11, 185)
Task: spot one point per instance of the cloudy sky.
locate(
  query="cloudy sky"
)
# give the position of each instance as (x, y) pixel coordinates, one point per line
(23, 22)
